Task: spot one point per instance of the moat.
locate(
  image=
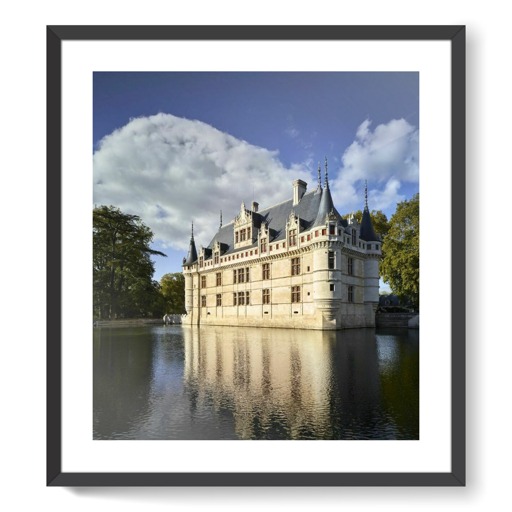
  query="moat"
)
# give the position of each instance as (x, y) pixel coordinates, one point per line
(173, 382)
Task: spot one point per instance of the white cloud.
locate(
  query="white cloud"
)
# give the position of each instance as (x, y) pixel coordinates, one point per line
(386, 157)
(171, 171)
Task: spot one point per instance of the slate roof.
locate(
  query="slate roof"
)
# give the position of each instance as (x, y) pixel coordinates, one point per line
(312, 210)
(367, 232)
(192, 253)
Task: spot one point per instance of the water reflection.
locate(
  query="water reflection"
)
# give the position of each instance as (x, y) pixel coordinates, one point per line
(231, 383)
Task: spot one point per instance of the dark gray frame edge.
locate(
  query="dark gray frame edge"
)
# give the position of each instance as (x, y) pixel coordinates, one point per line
(55, 36)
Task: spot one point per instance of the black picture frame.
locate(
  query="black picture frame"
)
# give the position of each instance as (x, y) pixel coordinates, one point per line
(55, 36)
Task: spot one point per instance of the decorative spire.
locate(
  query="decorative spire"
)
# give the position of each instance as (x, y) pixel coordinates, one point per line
(319, 176)
(220, 219)
(192, 232)
(326, 177)
(366, 194)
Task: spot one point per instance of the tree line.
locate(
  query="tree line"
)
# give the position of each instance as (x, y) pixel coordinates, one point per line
(400, 263)
(123, 285)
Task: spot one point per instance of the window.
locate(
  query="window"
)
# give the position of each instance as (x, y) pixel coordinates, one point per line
(369, 247)
(295, 266)
(351, 294)
(219, 299)
(316, 233)
(241, 298)
(234, 299)
(353, 237)
(330, 260)
(241, 275)
(247, 298)
(265, 271)
(295, 293)
(302, 239)
(236, 237)
(216, 258)
(203, 281)
(201, 261)
(309, 238)
(242, 235)
(292, 237)
(332, 229)
(350, 266)
(331, 287)
(203, 301)
(218, 278)
(248, 233)
(324, 231)
(265, 296)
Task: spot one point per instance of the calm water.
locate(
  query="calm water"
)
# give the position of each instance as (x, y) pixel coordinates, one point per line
(169, 382)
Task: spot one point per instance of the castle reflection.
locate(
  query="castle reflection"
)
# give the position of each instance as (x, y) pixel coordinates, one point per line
(173, 382)
(281, 383)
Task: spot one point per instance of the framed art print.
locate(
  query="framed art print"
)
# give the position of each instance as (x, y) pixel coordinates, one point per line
(251, 302)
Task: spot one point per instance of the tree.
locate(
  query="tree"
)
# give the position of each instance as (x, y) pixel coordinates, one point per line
(379, 221)
(400, 265)
(173, 291)
(122, 266)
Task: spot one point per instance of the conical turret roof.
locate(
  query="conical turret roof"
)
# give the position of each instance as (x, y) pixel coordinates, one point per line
(326, 205)
(192, 252)
(367, 232)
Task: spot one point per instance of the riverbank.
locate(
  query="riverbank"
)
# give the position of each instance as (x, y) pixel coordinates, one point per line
(127, 322)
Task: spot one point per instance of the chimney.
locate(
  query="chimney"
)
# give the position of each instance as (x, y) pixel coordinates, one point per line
(254, 206)
(299, 189)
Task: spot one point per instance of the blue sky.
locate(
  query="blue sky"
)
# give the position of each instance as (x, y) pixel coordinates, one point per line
(179, 147)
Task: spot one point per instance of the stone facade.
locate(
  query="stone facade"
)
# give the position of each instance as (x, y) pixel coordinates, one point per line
(297, 264)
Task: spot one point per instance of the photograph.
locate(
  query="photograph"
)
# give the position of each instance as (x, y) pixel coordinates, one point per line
(243, 304)
(256, 255)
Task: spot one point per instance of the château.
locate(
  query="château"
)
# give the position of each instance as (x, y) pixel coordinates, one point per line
(297, 264)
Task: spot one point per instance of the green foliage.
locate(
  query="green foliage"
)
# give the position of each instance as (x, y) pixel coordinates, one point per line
(173, 291)
(379, 221)
(122, 266)
(400, 266)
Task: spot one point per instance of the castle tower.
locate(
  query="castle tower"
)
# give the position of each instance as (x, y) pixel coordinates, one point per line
(188, 265)
(371, 264)
(326, 261)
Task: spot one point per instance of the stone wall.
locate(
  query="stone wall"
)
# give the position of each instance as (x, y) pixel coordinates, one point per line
(393, 319)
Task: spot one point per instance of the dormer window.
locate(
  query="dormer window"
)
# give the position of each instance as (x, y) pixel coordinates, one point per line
(292, 237)
(263, 245)
(353, 237)
(243, 227)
